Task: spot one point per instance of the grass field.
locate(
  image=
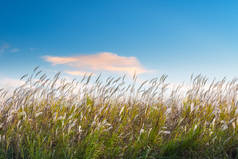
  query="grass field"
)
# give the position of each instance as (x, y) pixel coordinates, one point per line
(95, 118)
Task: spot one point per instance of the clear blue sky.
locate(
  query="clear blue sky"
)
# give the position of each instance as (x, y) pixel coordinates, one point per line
(176, 37)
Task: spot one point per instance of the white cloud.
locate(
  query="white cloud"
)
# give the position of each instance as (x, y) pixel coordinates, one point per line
(14, 50)
(32, 49)
(78, 73)
(105, 61)
(4, 47)
(10, 83)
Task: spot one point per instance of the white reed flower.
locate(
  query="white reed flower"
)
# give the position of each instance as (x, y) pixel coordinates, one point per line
(80, 129)
(38, 114)
(164, 132)
(142, 131)
(224, 126)
(122, 109)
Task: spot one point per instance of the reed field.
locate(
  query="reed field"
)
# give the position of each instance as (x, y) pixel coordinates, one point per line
(97, 118)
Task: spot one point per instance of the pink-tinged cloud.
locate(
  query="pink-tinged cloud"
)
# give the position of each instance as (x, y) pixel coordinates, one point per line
(78, 73)
(105, 61)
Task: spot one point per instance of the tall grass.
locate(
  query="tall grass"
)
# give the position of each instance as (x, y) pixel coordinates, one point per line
(109, 118)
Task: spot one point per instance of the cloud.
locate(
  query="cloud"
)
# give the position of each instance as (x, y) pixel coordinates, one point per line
(10, 83)
(76, 73)
(3, 47)
(32, 49)
(6, 47)
(14, 50)
(105, 61)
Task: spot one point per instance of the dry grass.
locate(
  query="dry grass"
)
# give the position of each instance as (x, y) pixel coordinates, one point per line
(97, 118)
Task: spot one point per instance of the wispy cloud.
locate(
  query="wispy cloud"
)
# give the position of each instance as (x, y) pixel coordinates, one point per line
(32, 49)
(78, 73)
(4, 47)
(14, 50)
(105, 61)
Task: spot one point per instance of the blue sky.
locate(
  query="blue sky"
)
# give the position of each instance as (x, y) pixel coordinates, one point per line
(175, 37)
